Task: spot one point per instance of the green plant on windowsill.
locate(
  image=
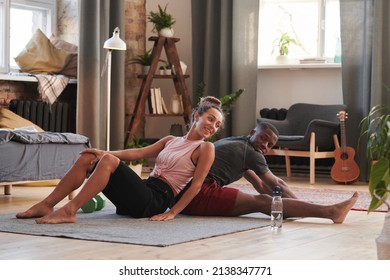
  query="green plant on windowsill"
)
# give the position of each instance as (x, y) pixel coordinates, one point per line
(283, 43)
(375, 127)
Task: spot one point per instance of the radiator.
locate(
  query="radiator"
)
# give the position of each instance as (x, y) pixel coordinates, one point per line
(59, 117)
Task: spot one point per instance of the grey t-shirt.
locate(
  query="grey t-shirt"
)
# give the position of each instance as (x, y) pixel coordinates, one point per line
(233, 156)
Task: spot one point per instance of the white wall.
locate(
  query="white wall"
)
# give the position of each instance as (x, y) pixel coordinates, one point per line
(280, 88)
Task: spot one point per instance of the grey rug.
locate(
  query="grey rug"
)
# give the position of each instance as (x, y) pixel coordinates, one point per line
(106, 226)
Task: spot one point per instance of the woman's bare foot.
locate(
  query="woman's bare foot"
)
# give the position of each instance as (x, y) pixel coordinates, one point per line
(343, 208)
(38, 210)
(59, 216)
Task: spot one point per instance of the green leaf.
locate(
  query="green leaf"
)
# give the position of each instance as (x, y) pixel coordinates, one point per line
(379, 185)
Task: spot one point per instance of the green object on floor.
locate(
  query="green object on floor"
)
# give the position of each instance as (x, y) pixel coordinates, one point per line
(95, 204)
(101, 202)
(90, 206)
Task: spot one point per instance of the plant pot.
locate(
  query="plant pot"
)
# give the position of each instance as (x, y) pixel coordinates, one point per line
(383, 240)
(168, 72)
(166, 32)
(282, 59)
(136, 168)
(145, 69)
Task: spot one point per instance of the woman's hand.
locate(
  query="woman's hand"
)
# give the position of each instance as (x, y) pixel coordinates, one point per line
(163, 216)
(98, 154)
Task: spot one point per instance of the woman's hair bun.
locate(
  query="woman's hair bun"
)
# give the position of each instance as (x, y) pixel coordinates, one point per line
(210, 99)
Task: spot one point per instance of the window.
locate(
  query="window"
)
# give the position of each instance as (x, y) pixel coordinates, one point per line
(314, 24)
(19, 20)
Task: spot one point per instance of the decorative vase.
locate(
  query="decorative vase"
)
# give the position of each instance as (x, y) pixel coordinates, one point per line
(183, 68)
(176, 130)
(383, 240)
(282, 59)
(175, 104)
(166, 32)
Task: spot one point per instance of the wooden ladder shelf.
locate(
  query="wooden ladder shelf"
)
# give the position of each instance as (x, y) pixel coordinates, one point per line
(178, 79)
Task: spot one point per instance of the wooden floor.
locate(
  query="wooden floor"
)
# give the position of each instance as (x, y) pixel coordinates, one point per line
(306, 239)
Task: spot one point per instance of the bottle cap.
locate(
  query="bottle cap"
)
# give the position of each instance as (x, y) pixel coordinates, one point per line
(277, 191)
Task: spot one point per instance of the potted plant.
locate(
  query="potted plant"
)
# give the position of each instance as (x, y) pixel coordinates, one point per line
(136, 165)
(162, 22)
(162, 70)
(283, 44)
(145, 60)
(168, 69)
(376, 128)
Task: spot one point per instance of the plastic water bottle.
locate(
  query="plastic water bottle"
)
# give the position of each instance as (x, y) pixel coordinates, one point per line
(277, 209)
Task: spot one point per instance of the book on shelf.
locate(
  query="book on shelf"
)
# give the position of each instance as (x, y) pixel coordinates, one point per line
(164, 105)
(156, 102)
(153, 101)
(149, 105)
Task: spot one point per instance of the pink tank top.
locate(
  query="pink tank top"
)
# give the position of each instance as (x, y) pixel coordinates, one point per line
(174, 164)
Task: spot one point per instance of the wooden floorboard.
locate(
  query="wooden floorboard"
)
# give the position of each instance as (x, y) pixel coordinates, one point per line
(305, 239)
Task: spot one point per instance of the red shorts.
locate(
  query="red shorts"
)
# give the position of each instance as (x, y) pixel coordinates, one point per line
(212, 200)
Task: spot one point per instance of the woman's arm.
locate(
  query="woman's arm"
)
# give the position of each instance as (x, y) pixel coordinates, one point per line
(133, 154)
(204, 162)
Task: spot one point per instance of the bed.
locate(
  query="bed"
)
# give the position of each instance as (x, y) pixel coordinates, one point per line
(27, 156)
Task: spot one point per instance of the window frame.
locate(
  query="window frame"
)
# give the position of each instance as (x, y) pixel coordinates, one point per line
(320, 43)
(51, 23)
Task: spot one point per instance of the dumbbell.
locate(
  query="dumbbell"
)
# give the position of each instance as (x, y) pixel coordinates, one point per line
(95, 204)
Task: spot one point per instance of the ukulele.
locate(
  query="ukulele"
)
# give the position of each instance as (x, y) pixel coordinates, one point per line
(345, 170)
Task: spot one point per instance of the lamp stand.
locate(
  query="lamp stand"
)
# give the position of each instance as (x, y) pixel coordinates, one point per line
(108, 97)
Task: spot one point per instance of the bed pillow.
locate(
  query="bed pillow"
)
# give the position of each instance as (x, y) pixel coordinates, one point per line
(70, 69)
(40, 56)
(10, 120)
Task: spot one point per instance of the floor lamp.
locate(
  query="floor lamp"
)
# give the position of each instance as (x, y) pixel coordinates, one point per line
(114, 43)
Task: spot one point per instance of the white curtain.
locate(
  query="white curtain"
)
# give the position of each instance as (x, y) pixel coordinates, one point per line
(98, 19)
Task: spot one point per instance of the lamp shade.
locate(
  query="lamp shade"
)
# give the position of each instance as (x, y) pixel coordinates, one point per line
(115, 43)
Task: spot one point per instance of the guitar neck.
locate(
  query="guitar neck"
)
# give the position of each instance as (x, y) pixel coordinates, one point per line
(343, 136)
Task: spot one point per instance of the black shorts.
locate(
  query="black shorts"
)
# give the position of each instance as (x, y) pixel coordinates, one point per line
(137, 197)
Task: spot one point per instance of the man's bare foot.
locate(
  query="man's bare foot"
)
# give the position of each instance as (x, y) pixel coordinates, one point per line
(38, 210)
(343, 209)
(59, 216)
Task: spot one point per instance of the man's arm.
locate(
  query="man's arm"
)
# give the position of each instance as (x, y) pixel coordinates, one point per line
(265, 182)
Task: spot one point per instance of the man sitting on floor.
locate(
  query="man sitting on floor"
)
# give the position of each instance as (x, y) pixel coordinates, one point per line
(240, 156)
